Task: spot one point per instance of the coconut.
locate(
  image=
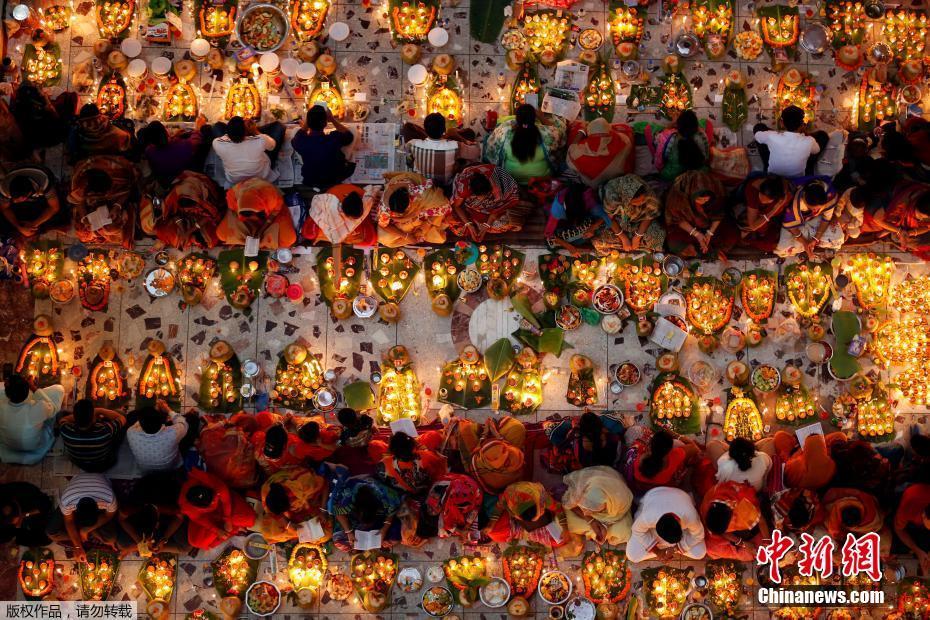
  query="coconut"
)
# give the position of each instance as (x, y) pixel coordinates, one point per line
(389, 312)
(497, 288)
(42, 325)
(326, 64)
(792, 78)
(516, 59)
(667, 362)
(102, 48)
(791, 376)
(707, 344)
(411, 53)
(548, 58)
(588, 57)
(186, 70)
(816, 332)
(644, 327)
(117, 60)
(442, 305)
(735, 78)
(518, 607)
(754, 336)
(215, 59)
(627, 51)
(849, 57)
(444, 64)
(309, 51)
(295, 354)
(221, 351)
(671, 64)
(737, 373)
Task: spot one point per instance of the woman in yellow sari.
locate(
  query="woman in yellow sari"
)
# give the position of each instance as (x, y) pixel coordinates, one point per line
(290, 497)
(412, 211)
(597, 505)
(492, 452)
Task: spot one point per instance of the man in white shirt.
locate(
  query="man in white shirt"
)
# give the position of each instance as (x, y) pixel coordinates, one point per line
(27, 420)
(244, 152)
(154, 439)
(666, 523)
(788, 150)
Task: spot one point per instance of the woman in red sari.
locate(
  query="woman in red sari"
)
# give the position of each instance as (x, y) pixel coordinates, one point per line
(906, 218)
(409, 465)
(733, 521)
(277, 449)
(216, 514)
(485, 200)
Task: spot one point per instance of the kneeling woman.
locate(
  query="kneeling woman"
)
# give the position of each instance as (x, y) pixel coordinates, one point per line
(525, 510)
(216, 514)
(485, 200)
(696, 218)
(733, 521)
(597, 505)
(363, 503)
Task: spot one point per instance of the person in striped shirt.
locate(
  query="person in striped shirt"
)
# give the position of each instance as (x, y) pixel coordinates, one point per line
(92, 435)
(87, 504)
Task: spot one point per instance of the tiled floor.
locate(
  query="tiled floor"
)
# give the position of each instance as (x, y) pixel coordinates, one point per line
(353, 349)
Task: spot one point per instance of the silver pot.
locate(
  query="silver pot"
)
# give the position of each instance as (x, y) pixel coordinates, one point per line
(815, 39)
(280, 15)
(687, 45)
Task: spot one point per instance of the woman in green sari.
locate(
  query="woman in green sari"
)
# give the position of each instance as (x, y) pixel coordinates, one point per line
(528, 146)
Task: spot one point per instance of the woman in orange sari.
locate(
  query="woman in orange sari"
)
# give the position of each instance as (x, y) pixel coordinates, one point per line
(733, 521)
(492, 453)
(411, 211)
(290, 497)
(256, 209)
(342, 214)
(851, 511)
(526, 510)
(216, 514)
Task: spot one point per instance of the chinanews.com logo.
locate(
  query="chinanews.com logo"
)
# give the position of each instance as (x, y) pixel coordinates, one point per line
(859, 557)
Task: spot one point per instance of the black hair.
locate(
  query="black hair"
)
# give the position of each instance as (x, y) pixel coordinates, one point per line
(772, 187)
(526, 137)
(815, 193)
(799, 514)
(347, 416)
(927, 511)
(792, 118)
(83, 413)
(896, 146)
(146, 520)
(920, 444)
(89, 110)
(276, 499)
(399, 200)
(435, 125)
(669, 529)
(352, 205)
(742, 452)
(16, 388)
(851, 516)
(316, 118)
(275, 441)
(366, 504)
(690, 154)
(151, 420)
(86, 512)
(591, 428)
(529, 513)
(403, 446)
(200, 495)
(235, 129)
(156, 134)
(659, 447)
(309, 432)
(718, 517)
(479, 185)
(98, 181)
(573, 199)
(22, 186)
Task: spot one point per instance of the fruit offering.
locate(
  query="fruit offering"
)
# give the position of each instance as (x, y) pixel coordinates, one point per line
(308, 17)
(522, 566)
(809, 287)
(37, 572)
(233, 573)
(666, 590)
(98, 575)
(606, 576)
(373, 574)
(158, 575)
(709, 304)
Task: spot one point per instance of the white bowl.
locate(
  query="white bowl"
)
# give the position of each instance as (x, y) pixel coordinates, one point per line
(417, 74)
(339, 31)
(438, 37)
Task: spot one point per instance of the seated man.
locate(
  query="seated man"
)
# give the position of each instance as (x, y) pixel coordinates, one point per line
(256, 209)
(170, 155)
(87, 505)
(434, 156)
(665, 524)
(733, 521)
(28, 200)
(797, 510)
(25, 512)
(324, 163)
(246, 152)
(150, 519)
(26, 421)
(107, 182)
(342, 214)
(786, 152)
(155, 437)
(94, 134)
(92, 435)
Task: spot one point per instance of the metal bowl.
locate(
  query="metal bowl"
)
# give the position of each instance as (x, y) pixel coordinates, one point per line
(687, 45)
(278, 15)
(880, 54)
(815, 39)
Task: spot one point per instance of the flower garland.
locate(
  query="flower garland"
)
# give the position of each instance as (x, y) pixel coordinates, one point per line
(606, 576)
(159, 379)
(111, 98)
(709, 304)
(39, 362)
(114, 17)
(643, 284)
(522, 566)
(308, 18)
(809, 287)
(627, 24)
(757, 294)
(216, 20)
(713, 19)
(243, 99)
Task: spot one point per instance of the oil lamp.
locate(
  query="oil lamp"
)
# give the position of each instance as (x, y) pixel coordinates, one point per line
(871, 273)
(808, 287)
(399, 390)
(905, 32)
(606, 576)
(298, 378)
(159, 378)
(327, 92)
(522, 394)
(412, 20)
(709, 304)
(114, 17)
(742, 418)
(308, 18)
(243, 99)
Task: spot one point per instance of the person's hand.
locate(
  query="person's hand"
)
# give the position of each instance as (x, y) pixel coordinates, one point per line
(924, 559)
(27, 230)
(635, 242)
(703, 241)
(161, 405)
(575, 252)
(200, 122)
(386, 544)
(810, 248)
(600, 532)
(80, 555)
(351, 537)
(473, 229)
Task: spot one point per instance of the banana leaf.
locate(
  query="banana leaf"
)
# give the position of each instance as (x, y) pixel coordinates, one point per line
(389, 268)
(241, 285)
(359, 396)
(734, 107)
(486, 20)
(438, 263)
(457, 388)
(846, 326)
(352, 259)
(499, 358)
(600, 95)
(220, 405)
